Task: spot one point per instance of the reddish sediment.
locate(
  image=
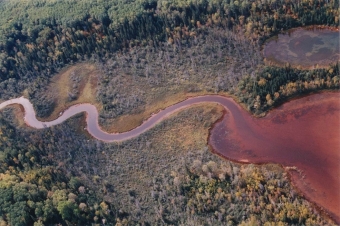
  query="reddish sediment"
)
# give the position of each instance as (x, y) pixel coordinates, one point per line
(303, 133)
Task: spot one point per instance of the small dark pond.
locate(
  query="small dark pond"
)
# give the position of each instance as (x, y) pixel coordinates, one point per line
(304, 47)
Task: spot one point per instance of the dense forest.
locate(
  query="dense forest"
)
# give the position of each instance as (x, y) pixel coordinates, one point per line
(56, 175)
(59, 176)
(36, 188)
(143, 50)
(275, 85)
(44, 36)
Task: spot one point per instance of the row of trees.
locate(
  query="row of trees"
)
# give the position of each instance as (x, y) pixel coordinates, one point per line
(274, 85)
(228, 194)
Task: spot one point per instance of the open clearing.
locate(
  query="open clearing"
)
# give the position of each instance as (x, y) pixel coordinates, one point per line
(155, 99)
(61, 85)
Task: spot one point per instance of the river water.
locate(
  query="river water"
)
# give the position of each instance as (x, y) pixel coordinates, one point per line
(303, 133)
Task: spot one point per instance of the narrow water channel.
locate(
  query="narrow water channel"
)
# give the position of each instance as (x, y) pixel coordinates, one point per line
(303, 133)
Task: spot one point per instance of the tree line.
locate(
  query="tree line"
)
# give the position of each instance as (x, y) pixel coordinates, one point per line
(35, 189)
(41, 47)
(274, 85)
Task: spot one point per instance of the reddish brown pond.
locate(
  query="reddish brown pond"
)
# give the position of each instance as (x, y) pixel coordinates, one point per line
(304, 133)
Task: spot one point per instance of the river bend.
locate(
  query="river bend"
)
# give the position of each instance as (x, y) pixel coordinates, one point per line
(92, 116)
(303, 134)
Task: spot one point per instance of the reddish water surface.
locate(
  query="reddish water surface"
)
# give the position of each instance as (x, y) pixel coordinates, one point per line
(304, 133)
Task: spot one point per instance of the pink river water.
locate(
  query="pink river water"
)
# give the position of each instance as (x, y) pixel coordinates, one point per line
(303, 134)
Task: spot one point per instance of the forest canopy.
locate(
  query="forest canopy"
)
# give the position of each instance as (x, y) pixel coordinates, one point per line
(38, 38)
(150, 41)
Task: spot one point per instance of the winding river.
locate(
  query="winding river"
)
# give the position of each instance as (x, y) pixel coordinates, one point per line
(302, 135)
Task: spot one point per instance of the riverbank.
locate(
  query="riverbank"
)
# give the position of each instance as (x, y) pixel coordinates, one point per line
(237, 124)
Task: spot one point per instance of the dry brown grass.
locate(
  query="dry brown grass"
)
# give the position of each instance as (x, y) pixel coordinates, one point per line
(182, 132)
(18, 112)
(187, 132)
(130, 121)
(60, 86)
(156, 98)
